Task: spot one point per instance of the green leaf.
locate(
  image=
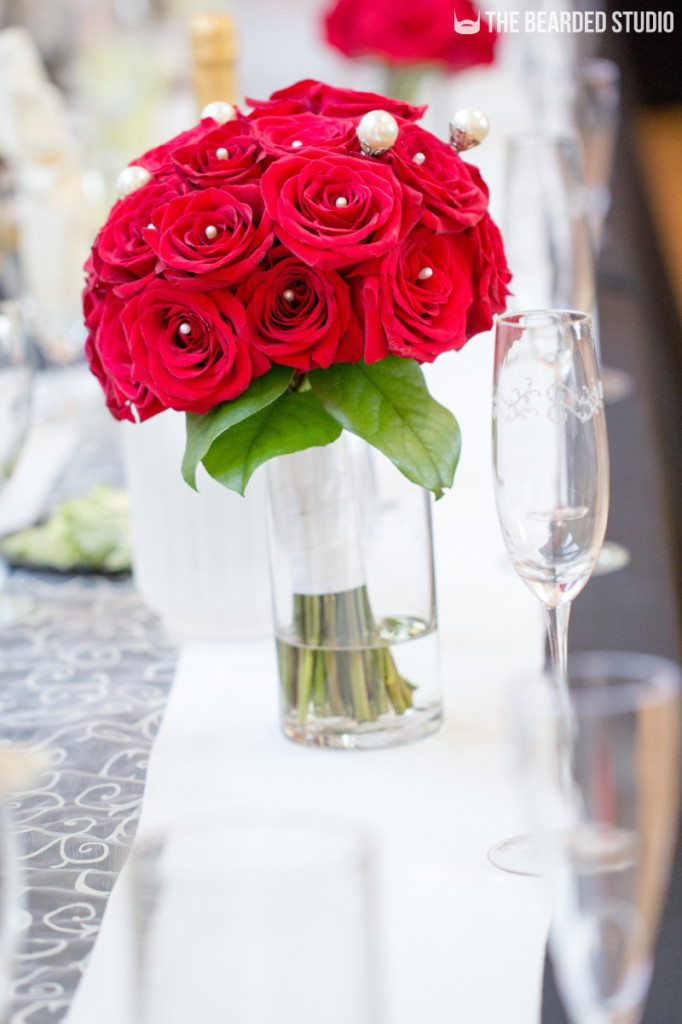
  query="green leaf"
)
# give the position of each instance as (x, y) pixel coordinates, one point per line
(202, 431)
(388, 404)
(294, 421)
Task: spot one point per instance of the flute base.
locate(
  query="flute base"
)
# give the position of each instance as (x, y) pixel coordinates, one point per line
(520, 855)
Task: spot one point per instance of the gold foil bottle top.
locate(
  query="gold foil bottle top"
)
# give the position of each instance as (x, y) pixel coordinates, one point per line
(214, 52)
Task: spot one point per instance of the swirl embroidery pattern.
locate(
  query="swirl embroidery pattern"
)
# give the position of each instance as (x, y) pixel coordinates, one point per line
(84, 682)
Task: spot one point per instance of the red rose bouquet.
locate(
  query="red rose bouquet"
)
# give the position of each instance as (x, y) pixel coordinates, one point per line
(280, 275)
(268, 263)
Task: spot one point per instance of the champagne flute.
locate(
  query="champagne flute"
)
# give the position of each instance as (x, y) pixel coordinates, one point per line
(551, 475)
(609, 823)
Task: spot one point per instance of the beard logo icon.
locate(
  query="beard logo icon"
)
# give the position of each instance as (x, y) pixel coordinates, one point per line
(467, 27)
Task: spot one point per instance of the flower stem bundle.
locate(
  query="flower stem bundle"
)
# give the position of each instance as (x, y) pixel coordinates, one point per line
(340, 665)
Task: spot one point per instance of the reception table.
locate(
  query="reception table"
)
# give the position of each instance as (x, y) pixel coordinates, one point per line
(145, 725)
(432, 808)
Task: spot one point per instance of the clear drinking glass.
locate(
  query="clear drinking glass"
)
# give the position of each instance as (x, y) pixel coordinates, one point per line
(596, 114)
(547, 234)
(602, 773)
(261, 919)
(551, 468)
(17, 361)
(16, 371)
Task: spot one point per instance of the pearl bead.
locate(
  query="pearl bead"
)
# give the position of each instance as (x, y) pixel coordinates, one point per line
(130, 179)
(296, 144)
(185, 329)
(221, 153)
(151, 227)
(288, 295)
(341, 201)
(425, 273)
(418, 158)
(211, 231)
(219, 111)
(377, 132)
(468, 128)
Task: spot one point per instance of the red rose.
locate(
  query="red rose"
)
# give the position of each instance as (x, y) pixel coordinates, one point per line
(108, 354)
(284, 134)
(338, 210)
(159, 160)
(117, 404)
(227, 155)
(409, 32)
(301, 316)
(190, 349)
(455, 196)
(211, 238)
(319, 98)
(415, 303)
(490, 276)
(93, 294)
(122, 253)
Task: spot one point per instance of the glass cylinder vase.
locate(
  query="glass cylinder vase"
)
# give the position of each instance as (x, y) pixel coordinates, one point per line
(351, 557)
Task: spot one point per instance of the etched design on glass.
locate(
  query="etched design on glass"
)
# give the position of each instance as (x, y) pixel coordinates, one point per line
(519, 405)
(561, 401)
(583, 404)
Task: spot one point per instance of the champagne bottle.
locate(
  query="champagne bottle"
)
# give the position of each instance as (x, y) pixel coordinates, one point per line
(214, 53)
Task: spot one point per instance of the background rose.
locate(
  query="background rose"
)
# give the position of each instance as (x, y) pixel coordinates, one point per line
(455, 195)
(193, 371)
(409, 32)
(415, 303)
(211, 238)
(301, 316)
(301, 196)
(319, 98)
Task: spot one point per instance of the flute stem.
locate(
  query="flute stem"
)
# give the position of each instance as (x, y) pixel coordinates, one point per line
(557, 630)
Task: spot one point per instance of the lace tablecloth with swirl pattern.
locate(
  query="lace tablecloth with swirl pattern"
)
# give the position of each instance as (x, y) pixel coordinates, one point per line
(83, 679)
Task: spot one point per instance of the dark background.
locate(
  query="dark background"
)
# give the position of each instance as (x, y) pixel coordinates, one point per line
(639, 608)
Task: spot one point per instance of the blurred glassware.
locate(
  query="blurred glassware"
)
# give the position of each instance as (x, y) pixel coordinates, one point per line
(602, 781)
(548, 58)
(259, 919)
(596, 115)
(18, 769)
(546, 231)
(550, 249)
(11, 286)
(55, 202)
(16, 382)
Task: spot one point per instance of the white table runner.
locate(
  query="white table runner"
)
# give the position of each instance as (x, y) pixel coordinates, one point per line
(461, 941)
